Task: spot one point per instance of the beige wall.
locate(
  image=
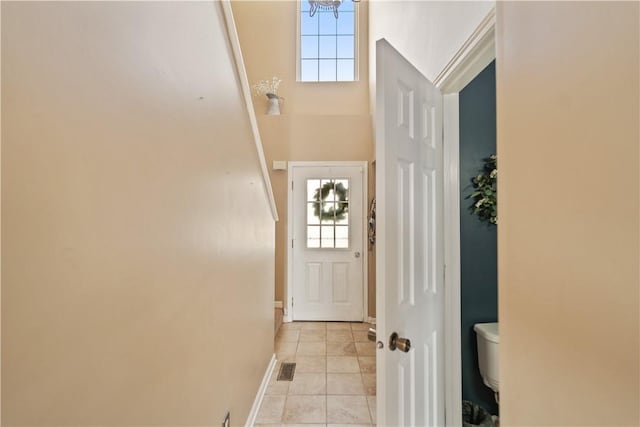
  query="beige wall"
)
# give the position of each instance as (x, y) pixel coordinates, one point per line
(320, 121)
(137, 241)
(568, 120)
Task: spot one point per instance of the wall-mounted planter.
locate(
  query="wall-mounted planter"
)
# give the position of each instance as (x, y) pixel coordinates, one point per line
(274, 104)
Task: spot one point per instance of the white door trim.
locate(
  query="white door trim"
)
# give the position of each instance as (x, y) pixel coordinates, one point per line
(474, 55)
(365, 209)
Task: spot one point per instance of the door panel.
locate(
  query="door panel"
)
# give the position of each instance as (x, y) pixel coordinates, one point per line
(327, 230)
(410, 269)
(406, 234)
(313, 281)
(340, 283)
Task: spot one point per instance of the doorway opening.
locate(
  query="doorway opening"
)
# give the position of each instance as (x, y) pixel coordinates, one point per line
(327, 255)
(475, 55)
(478, 243)
(477, 52)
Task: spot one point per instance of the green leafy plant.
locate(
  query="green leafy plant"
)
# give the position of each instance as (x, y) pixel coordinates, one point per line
(485, 196)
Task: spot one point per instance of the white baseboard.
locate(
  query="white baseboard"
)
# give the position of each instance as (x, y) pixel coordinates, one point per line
(287, 319)
(251, 419)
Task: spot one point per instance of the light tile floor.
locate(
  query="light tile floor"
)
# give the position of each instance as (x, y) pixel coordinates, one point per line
(335, 378)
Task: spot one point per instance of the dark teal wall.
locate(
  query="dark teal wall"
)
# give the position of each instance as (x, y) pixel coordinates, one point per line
(478, 245)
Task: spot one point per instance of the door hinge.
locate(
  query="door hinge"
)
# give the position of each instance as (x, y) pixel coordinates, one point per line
(291, 301)
(291, 185)
(291, 243)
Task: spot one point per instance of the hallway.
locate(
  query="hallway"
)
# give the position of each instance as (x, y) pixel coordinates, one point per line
(334, 381)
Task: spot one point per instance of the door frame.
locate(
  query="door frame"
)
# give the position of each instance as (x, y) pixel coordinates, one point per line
(474, 55)
(288, 313)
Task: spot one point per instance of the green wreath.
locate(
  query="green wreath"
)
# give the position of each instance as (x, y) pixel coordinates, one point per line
(321, 194)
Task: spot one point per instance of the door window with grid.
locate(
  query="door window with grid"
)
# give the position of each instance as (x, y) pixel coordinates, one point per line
(327, 42)
(327, 213)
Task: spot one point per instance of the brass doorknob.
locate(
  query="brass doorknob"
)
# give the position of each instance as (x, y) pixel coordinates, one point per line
(402, 344)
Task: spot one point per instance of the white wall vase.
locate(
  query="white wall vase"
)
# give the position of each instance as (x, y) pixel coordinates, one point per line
(274, 104)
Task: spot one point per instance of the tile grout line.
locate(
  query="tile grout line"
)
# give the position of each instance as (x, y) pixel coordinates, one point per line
(326, 377)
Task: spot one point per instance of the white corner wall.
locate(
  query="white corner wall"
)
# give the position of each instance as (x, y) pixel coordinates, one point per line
(137, 238)
(427, 33)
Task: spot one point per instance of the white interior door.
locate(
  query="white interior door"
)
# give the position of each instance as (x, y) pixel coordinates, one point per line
(410, 269)
(327, 223)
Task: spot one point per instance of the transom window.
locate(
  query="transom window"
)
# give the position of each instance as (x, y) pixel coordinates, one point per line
(327, 213)
(327, 42)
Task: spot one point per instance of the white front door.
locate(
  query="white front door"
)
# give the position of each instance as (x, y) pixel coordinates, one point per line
(410, 269)
(328, 252)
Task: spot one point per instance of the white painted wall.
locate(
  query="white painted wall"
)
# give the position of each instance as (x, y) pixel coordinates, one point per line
(427, 33)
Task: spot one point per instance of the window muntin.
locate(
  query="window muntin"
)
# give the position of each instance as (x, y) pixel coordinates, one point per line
(327, 45)
(327, 224)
